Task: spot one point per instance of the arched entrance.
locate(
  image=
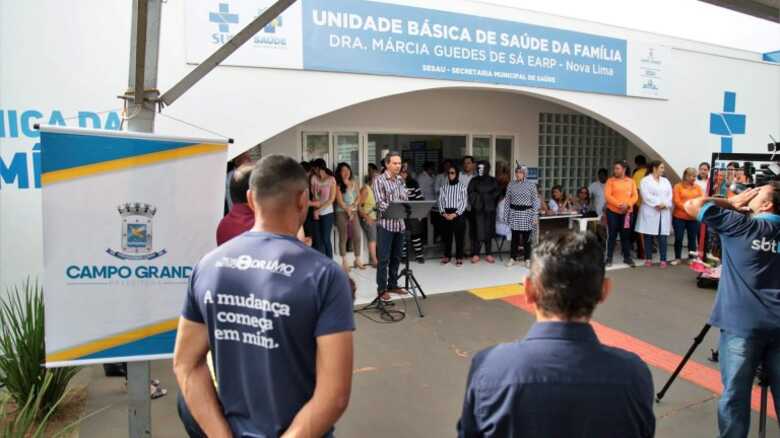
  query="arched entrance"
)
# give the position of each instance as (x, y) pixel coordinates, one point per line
(565, 143)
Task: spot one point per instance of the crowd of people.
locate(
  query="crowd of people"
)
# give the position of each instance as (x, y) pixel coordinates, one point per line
(640, 208)
(472, 207)
(285, 367)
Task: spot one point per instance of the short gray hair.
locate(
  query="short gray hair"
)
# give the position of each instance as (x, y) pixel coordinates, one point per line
(277, 177)
(568, 270)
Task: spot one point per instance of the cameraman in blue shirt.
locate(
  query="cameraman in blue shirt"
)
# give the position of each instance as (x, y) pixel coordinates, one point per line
(747, 307)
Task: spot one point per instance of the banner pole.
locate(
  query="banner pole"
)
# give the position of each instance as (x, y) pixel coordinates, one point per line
(140, 97)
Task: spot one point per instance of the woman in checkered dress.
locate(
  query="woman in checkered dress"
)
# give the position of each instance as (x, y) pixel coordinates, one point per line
(521, 212)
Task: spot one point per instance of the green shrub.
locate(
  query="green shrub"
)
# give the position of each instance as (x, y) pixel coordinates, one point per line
(30, 419)
(22, 352)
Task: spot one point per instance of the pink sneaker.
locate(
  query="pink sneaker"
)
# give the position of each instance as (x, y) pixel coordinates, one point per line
(648, 263)
(664, 265)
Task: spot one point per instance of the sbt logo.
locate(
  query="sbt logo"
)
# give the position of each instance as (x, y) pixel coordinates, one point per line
(764, 245)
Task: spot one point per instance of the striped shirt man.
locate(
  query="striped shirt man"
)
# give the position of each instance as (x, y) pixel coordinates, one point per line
(388, 189)
(453, 197)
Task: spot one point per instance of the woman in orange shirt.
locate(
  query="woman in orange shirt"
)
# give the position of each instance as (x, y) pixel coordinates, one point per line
(621, 195)
(681, 221)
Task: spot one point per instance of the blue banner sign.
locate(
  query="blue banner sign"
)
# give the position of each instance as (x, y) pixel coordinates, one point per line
(385, 39)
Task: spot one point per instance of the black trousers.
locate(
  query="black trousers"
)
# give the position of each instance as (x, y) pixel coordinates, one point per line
(517, 236)
(471, 226)
(615, 224)
(436, 221)
(456, 229)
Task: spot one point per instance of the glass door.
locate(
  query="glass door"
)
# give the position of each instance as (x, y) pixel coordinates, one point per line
(503, 164)
(347, 150)
(480, 148)
(316, 145)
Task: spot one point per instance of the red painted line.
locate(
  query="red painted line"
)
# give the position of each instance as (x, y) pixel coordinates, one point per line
(693, 371)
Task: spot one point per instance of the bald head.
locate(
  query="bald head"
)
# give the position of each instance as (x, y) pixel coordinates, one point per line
(277, 179)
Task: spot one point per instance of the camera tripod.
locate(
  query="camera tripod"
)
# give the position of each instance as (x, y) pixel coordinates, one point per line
(410, 281)
(761, 374)
(403, 210)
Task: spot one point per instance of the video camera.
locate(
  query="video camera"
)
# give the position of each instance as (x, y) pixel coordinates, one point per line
(766, 173)
(758, 169)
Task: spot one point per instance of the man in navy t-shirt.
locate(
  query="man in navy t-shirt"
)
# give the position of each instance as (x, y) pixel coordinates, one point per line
(277, 318)
(560, 381)
(747, 307)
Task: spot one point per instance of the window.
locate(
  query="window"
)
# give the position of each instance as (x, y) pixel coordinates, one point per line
(480, 148)
(316, 145)
(348, 151)
(503, 157)
(573, 160)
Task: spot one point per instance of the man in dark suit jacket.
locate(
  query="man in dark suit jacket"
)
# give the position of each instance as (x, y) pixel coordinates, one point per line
(560, 381)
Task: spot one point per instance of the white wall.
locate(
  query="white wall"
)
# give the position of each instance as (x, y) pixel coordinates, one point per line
(73, 56)
(454, 111)
(446, 111)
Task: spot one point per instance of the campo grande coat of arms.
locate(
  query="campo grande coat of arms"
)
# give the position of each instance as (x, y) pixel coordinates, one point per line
(136, 233)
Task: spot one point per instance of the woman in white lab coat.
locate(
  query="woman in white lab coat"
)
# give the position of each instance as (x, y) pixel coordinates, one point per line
(655, 213)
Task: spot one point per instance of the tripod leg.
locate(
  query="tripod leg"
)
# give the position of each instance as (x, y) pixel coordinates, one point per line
(762, 415)
(696, 341)
(763, 382)
(414, 294)
(419, 288)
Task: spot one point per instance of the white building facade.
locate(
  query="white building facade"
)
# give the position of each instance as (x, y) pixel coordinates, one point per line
(347, 79)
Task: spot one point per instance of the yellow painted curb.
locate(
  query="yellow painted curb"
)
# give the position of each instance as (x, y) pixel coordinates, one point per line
(498, 292)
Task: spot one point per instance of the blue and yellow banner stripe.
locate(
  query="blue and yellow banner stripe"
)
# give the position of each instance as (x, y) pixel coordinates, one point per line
(70, 156)
(157, 338)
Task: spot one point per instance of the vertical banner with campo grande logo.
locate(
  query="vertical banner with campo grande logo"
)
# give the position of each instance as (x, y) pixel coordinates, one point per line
(125, 217)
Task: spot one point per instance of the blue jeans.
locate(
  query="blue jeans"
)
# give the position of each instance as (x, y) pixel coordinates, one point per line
(681, 227)
(615, 224)
(388, 249)
(739, 358)
(323, 229)
(662, 242)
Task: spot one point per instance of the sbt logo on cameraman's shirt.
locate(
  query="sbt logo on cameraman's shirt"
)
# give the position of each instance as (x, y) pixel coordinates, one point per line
(764, 245)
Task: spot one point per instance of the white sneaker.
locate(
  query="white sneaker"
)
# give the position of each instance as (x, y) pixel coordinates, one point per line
(675, 262)
(510, 263)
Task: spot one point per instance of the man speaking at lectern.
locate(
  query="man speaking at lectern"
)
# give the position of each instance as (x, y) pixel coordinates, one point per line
(389, 187)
